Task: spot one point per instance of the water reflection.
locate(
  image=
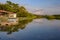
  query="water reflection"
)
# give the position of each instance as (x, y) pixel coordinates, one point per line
(21, 25)
(14, 28)
(37, 29)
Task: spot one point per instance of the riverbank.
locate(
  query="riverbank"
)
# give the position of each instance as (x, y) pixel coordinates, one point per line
(49, 16)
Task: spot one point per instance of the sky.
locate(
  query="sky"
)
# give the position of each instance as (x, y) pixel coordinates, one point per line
(39, 6)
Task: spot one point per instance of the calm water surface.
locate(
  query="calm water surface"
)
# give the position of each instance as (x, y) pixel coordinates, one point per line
(37, 29)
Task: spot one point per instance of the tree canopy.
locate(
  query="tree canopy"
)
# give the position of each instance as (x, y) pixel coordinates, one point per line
(13, 7)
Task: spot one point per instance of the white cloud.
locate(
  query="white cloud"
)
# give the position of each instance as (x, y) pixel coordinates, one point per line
(42, 11)
(52, 10)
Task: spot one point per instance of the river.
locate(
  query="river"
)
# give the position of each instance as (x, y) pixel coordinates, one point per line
(36, 29)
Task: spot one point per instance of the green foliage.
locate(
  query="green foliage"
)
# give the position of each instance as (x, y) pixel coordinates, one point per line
(12, 7)
(50, 17)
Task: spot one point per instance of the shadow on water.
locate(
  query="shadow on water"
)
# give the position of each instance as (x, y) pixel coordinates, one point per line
(14, 28)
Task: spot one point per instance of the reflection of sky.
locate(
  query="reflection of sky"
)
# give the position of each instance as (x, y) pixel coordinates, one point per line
(45, 30)
(45, 22)
(39, 29)
(48, 6)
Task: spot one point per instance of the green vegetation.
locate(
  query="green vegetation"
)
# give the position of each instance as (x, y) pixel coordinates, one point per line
(49, 17)
(12, 7)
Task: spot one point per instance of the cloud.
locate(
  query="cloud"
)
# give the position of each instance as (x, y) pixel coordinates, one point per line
(52, 10)
(43, 11)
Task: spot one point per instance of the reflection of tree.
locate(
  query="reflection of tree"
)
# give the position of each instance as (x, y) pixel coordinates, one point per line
(14, 28)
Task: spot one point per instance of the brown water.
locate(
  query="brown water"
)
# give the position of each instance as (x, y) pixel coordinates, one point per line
(37, 29)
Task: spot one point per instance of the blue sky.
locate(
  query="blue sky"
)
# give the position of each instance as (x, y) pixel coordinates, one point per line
(48, 6)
